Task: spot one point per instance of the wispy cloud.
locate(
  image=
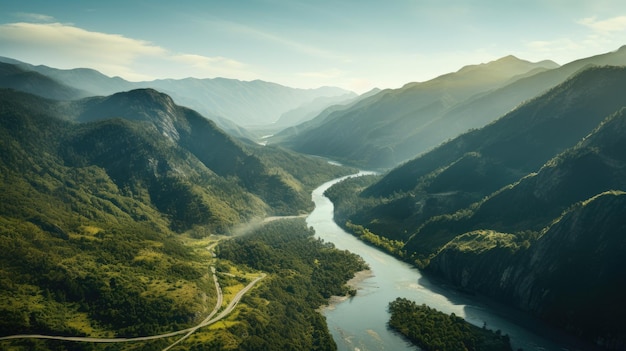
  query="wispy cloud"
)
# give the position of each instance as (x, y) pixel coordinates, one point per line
(67, 46)
(282, 40)
(606, 26)
(34, 17)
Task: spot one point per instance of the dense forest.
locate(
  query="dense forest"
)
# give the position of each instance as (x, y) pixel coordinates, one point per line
(432, 330)
(506, 210)
(96, 216)
(281, 314)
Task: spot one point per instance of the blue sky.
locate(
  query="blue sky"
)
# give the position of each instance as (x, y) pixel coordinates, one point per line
(356, 45)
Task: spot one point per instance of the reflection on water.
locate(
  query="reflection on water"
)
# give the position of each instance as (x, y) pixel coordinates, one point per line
(360, 323)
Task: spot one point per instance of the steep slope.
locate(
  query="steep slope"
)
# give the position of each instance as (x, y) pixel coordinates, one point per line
(79, 251)
(595, 165)
(367, 133)
(572, 276)
(484, 108)
(217, 151)
(93, 195)
(550, 242)
(92, 212)
(373, 136)
(473, 165)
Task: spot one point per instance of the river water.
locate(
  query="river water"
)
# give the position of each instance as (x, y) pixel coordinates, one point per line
(360, 323)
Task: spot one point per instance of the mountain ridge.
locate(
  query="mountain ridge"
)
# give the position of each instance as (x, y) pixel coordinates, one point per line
(524, 210)
(406, 110)
(387, 142)
(227, 101)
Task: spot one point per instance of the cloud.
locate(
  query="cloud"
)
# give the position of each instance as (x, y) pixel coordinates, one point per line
(204, 61)
(67, 46)
(607, 26)
(62, 44)
(34, 17)
(282, 40)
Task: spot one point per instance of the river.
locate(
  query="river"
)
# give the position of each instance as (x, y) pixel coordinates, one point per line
(360, 323)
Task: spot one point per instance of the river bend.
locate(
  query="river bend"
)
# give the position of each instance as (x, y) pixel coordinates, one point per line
(360, 323)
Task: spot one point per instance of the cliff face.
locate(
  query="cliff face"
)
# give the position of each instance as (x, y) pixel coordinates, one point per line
(572, 276)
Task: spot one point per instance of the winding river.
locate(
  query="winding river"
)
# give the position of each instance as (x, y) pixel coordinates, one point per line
(360, 323)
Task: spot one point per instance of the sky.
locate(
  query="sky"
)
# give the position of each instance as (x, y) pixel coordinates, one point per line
(356, 45)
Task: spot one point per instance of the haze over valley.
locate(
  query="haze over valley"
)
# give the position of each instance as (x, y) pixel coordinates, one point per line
(255, 180)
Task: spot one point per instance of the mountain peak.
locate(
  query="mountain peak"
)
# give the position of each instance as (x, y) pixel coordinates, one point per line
(147, 98)
(509, 58)
(137, 105)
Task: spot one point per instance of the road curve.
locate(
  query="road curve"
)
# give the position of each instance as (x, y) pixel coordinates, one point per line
(204, 323)
(218, 305)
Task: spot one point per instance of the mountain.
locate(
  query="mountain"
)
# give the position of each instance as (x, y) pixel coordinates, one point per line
(248, 104)
(94, 197)
(473, 165)
(525, 210)
(484, 108)
(567, 267)
(14, 77)
(384, 132)
(287, 135)
(227, 101)
(309, 111)
(369, 133)
(88, 80)
(181, 162)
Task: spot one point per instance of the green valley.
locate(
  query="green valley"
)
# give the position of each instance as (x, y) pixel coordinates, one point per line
(100, 219)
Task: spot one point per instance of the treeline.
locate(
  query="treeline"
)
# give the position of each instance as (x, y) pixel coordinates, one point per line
(280, 314)
(432, 330)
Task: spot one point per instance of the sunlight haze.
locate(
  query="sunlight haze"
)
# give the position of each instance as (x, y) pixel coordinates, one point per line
(356, 45)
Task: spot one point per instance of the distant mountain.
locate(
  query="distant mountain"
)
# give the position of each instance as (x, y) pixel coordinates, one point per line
(248, 104)
(288, 135)
(484, 108)
(525, 209)
(84, 79)
(14, 77)
(253, 103)
(309, 111)
(370, 132)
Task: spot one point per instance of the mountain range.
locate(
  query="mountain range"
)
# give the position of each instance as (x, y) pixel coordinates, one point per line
(522, 210)
(95, 194)
(397, 125)
(507, 180)
(231, 103)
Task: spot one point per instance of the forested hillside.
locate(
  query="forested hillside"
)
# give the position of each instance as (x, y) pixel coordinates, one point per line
(370, 133)
(91, 212)
(394, 126)
(506, 210)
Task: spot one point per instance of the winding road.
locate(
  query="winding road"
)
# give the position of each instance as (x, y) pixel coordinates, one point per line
(207, 321)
